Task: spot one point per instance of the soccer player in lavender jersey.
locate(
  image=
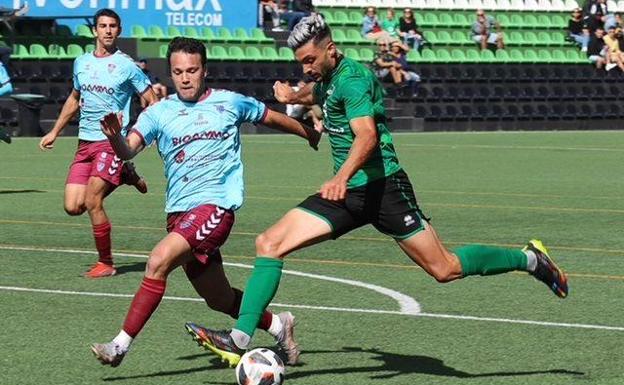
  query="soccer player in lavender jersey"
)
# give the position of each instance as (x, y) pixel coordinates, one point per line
(197, 131)
(369, 187)
(103, 81)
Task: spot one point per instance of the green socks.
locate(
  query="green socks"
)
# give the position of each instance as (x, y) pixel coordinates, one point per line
(489, 260)
(260, 290)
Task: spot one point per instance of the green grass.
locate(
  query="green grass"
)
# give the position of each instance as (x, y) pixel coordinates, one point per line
(494, 188)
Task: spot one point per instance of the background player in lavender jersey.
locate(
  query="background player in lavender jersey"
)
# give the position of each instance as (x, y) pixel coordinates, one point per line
(198, 138)
(104, 80)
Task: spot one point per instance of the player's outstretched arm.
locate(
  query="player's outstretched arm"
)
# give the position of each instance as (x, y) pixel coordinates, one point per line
(281, 122)
(149, 96)
(364, 145)
(71, 106)
(125, 148)
(285, 94)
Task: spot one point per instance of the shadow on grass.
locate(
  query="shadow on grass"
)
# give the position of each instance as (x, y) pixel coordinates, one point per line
(393, 365)
(21, 191)
(214, 364)
(130, 267)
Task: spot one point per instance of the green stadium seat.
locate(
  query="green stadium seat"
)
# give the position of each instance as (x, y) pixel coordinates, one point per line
(162, 52)
(544, 56)
(444, 37)
(487, 56)
(530, 38)
(431, 37)
(444, 56)
(419, 18)
(155, 32)
(138, 32)
(460, 37)
(253, 53)
(516, 20)
(431, 20)
(543, 21)
(224, 34)
(558, 38)
(339, 36)
(366, 54)
(458, 56)
(173, 32)
(503, 20)
(37, 51)
(341, 18)
(207, 34)
(56, 51)
(356, 37)
(286, 54)
(329, 17)
(84, 31)
(236, 53)
(270, 53)
(530, 21)
(530, 56)
(218, 52)
(543, 38)
(19, 51)
(89, 48)
(515, 38)
(352, 53)
(502, 56)
(240, 34)
(413, 56)
(355, 17)
(446, 20)
(74, 50)
(191, 32)
(461, 20)
(575, 56)
(429, 56)
(516, 56)
(557, 21)
(558, 56)
(473, 56)
(257, 34)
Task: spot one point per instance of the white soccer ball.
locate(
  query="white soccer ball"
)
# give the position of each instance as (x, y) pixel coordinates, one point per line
(260, 367)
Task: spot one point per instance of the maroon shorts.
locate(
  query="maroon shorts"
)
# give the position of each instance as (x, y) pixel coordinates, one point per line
(205, 228)
(95, 159)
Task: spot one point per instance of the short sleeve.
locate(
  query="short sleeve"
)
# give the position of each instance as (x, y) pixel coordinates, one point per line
(75, 76)
(138, 79)
(357, 98)
(146, 127)
(249, 109)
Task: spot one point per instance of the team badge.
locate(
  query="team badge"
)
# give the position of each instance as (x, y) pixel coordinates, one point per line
(220, 108)
(101, 165)
(188, 222)
(179, 158)
(111, 68)
(103, 155)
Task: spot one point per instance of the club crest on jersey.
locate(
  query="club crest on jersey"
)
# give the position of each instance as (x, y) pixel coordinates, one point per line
(111, 68)
(188, 222)
(101, 165)
(179, 158)
(220, 108)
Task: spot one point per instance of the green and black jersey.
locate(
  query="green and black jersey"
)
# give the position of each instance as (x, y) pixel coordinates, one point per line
(352, 91)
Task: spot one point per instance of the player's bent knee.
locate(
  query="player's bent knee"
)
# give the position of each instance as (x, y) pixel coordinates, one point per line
(75, 210)
(157, 267)
(93, 203)
(267, 246)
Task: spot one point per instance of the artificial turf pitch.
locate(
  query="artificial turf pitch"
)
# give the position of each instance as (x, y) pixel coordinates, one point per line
(495, 188)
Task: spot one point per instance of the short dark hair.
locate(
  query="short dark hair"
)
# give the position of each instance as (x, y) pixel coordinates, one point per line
(106, 12)
(186, 45)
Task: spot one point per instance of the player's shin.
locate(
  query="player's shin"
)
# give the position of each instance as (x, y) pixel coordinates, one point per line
(259, 292)
(489, 260)
(145, 302)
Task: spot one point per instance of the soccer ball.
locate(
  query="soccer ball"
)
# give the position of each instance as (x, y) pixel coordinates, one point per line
(260, 367)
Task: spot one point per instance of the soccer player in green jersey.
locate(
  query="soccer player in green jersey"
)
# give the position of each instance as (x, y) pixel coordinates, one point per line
(369, 187)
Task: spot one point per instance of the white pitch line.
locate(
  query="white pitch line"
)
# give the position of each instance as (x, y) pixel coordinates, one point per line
(328, 308)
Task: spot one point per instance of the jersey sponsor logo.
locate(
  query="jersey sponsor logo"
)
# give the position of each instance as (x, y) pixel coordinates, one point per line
(179, 158)
(205, 135)
(96, 88)
(210, 224)
(182, 112)
(409, 220)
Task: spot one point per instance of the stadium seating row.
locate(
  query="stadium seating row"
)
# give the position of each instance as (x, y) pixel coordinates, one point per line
(53, 52)
(505, 5)
(221, 35)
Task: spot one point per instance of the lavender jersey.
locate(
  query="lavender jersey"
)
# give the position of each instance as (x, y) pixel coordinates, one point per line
(200, 146)
(106, 84)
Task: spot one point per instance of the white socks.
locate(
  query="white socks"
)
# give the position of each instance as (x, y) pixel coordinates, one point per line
(276, 326)
(531, 261)
(240, 339)
(123, 342)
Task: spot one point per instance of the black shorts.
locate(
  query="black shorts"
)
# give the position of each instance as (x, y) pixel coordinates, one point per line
(388, 203)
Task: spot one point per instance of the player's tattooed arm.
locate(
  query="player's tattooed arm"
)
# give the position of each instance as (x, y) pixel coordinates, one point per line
(70, 108)
(125, 147)
(279, 121)
(285, 94)
(364, 145)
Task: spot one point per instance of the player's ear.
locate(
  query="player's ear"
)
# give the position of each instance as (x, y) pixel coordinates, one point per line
(332, 51)
(120, 31)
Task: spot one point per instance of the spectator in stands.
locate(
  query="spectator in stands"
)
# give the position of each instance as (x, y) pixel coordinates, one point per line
(5, 81)
(614, 55)
(597, 15)
(408, 30)
(384, 62)
(577, 30)
(299, 10)
(483, 31)
(159, 89)
(390, 24)
(613, 20)
(270, 9)
(596, 51)
(370, 25)
(408, 75)
(303, 112)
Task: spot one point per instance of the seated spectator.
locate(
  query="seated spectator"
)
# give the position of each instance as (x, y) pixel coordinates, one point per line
(269, 9)
(370, 25)
(596, 50)
(408, 30)
(613, 20)
(614, 55)
(483, 31)
(384, 62)
(577, 30)
(597, 15)
(159, 89)
(390, 24)
(408, 75)
(300, 9)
